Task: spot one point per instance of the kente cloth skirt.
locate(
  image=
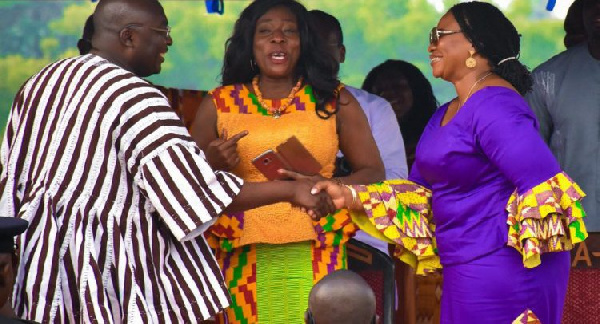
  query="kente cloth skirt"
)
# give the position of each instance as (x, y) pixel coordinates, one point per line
(270, 283)
(497, 288)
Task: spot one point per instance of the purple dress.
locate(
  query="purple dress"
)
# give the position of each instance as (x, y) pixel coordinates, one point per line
(472, 165)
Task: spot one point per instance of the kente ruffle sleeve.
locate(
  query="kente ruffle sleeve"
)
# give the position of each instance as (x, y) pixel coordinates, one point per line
(546, 218)
(399, 212)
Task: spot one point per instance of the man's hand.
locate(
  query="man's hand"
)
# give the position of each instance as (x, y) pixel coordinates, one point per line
(316, 205)
(332, 194)
(340, 195)
(222, 153)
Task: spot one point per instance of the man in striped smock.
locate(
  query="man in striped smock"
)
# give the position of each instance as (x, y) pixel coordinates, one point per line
(116, 192)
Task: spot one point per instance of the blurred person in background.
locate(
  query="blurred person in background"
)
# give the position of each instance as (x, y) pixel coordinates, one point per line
(411, 96)
(574, 26)
(381, 117)
(566, 103)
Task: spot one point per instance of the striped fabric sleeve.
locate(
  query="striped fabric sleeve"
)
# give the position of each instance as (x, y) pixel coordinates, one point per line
(185, 191)
(168, 166)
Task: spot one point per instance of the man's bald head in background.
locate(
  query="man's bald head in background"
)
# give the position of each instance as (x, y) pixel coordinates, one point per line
(116, 14)
(341, 297)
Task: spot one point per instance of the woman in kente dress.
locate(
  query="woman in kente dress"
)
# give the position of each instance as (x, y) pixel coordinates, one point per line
(485, 194)
(279, 82)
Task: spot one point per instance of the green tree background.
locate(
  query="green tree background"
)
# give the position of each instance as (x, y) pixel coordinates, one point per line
(36, 33)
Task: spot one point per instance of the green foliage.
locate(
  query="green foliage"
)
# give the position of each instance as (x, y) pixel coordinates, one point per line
(519, 10)
(194, 61)
(14, 70)
(73, 18)
(49, 47)
(24, 23)
(36, 33)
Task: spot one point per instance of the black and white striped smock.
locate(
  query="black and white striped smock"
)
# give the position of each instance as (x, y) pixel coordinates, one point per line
(117, 196)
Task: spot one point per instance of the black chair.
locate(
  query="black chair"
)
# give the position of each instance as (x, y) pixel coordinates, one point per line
(377, 268)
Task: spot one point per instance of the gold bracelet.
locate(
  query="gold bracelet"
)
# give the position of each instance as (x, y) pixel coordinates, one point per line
(354, 196)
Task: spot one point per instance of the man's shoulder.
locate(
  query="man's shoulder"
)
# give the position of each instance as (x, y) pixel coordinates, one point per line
(48, 68)
(132, 85)
(561, 60)
(87, 59)
(360, 93)
(90, 63)
(366, 98)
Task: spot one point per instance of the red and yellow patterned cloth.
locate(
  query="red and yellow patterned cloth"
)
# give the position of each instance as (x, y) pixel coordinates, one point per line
(547, 218)
(399, 212)
(527, 317)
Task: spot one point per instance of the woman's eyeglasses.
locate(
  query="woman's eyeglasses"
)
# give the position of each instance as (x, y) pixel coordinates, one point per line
(435, 34)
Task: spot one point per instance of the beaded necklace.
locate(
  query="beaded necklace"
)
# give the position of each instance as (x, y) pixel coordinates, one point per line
(275, 112)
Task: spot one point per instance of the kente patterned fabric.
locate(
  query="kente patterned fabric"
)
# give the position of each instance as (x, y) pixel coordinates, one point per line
(272, 255)
(527, 317)
(399, 211)
(239, 110)
(547, 218)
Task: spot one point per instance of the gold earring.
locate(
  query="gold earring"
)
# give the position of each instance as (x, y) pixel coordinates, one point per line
(471, 62)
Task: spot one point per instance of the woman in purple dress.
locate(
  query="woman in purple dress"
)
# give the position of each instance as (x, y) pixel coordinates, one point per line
(485, 193)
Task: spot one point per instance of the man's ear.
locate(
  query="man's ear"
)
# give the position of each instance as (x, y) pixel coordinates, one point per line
(342, 53)
(126, 37)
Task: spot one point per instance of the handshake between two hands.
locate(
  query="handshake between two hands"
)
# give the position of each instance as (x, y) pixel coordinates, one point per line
(314, 194)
